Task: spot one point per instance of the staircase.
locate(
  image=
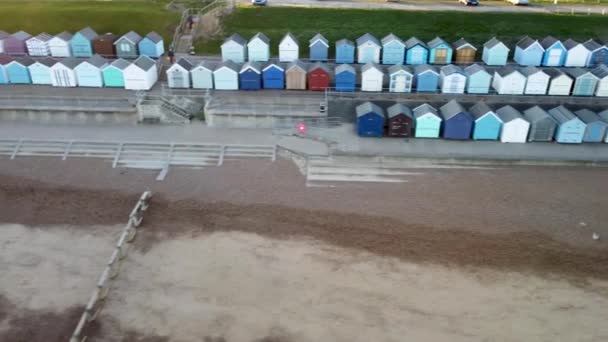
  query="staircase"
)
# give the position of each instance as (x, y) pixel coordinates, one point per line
(167, 109)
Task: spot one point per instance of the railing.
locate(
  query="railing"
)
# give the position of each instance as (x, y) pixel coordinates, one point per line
(97, 299)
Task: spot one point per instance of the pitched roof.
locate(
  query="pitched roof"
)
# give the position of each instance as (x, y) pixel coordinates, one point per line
(5, 59)
(535, 114)
(367, 38)
(561, 114)
(451, 69)
(368, 107)
(530, 70)
(21, 35)
(555, 72)
(425, 108)
(106, 37)
(290, 36)
(370, 66)
(3, 34)
(97, 60)
(25, 61)
(121, 64)
(296, 64)
(410, 43)
(526, 42)
(578, 72)
(45, 37)
(228, 64)
(345, 41)
(131, 36)
(508, 114)
(255, 66)
(144, 62)
(436, 42)
(154, 37)
(203, 64)
(70, 62)
(588, 116)
(493, 42)
(399, 67)
(390, 37)
(235, 38)
(319, 37)
(548, 41)
(419, 69)
(397, 109)
(88, 33)
(601, 71)
(604, 115)
(261, 37)
(507, 71)
(460, 43)
(184, 63)
(319, 65)
(47, 61)
(480, 109)
(474, 68)
(272, 64)
(592, 45)
(345, 67)
(570, 43)
(65, 36)
(451, 109)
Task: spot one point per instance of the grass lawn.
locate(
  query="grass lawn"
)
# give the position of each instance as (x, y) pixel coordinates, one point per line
(117, 17)
(335, 24)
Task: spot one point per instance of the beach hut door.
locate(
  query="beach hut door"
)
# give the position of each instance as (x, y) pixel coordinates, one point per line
(441, 55)
(554, 57)
(400, 84)
(417, 56)
(178, 79)
(368, 54)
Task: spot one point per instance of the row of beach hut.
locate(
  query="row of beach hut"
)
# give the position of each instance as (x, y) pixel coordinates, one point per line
(482, 122)
(95, 71)
(391, 49)
(84, 43)
(449, 79)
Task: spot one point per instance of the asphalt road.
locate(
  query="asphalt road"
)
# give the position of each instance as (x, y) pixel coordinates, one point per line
(494, 6)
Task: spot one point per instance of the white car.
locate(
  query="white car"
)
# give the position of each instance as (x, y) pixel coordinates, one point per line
(518, 2)
(259, 2)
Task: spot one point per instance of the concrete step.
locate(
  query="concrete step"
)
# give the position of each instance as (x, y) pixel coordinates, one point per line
(359, 171)
(354, 178)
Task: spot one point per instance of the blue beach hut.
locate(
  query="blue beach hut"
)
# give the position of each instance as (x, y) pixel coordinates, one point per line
(495, 52)
(113, 74)
(82, 42)
(89, 72)
(345, 51)
(585, 81)
(529, 52)
(234, 49)
(426, 78)
(457, 122)
(250, 76)
(4, 60)
(393, 50)
(346, 77)
(40, 71)
(428, 122)
(258, 48)
(598, 53)
(596, 127)
(478, 79)
(152, 45)
(273, 76)
(570, 129)
(440, 52)
(555, 52)
(18, 70)
(370, 120)
(487, 124)
(202, 76)
(416, 51)
(318, 48)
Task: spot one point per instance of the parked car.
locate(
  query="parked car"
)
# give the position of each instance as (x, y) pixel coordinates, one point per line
(259, 2)
(518, 2)
(469, 2)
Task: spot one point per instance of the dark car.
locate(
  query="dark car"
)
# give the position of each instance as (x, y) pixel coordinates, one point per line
(469, 2)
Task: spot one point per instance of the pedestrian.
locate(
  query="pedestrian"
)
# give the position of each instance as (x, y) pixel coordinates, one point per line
(171, 55)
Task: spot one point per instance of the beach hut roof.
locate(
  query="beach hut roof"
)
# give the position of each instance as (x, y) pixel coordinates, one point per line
(525, 42)
(228, 64)
(70, 62)
(88, 33)
(561, 114)
(65, 36)
(22, 35)
(154, 37)
(367, 107)
(423, 109)
(144, 62)
(236, 38)
(370, 66)
(184, 63)
(255, 66)
(480, 109)
(398, 67)
(548, 41)
(367, 38)
(451, 109)
(508, 114)
(397, 109)
(261, 37)
(592, 45)
(319, 37)
(345, 42)
(460, 43)
(535, 114)
(345, 67)
(419, 69)
(473, 69)
(492, 43)
(121, 64)
(587, 116)
(570, 43)
(451, 69)
(413, 42)
(297, 64)
(47, 61)
(390, 37)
